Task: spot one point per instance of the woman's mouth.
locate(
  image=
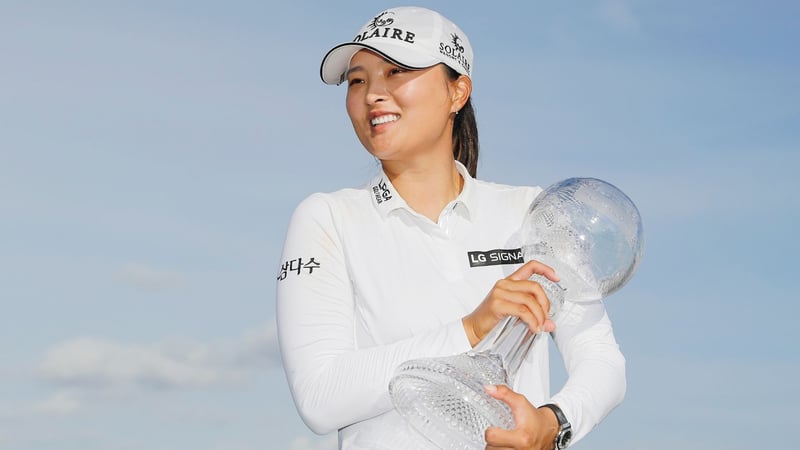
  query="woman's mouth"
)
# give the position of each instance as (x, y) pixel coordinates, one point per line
(380, 120)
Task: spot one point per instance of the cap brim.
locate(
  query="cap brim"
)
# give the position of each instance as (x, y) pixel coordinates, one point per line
(335, 63)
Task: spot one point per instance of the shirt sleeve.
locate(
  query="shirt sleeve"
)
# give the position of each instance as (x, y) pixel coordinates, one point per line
(596, 380)
(333, 382)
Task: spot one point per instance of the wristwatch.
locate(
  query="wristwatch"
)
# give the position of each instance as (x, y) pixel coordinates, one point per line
(564, 428)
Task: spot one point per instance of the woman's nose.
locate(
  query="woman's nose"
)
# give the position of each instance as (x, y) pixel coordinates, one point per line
(376, 92)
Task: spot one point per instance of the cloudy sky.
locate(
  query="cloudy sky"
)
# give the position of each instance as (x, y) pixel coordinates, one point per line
(151, 153)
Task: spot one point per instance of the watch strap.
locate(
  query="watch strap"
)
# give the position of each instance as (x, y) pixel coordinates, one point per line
(564, 435)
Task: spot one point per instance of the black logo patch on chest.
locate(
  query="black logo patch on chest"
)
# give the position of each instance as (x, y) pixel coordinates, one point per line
(495, 257)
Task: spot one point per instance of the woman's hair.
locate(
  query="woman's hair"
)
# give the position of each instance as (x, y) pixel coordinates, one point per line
(465, 133)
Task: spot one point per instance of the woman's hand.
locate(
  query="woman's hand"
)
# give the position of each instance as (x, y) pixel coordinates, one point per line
(514, 295)
(535, 429)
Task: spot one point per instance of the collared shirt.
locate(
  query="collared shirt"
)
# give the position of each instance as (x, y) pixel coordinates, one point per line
(366, 283)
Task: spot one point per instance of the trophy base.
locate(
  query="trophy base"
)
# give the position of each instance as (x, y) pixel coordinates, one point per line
(444, 399)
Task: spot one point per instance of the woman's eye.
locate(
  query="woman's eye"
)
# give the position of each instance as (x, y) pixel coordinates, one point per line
(354, 81)
(396, 70)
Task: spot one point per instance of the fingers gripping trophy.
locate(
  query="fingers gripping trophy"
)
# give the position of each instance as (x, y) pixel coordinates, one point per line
(591, 233)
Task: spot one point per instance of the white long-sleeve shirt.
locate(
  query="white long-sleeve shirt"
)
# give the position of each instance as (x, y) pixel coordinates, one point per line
(366, 283)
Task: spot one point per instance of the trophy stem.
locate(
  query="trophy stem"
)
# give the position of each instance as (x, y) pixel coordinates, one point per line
(511, 339)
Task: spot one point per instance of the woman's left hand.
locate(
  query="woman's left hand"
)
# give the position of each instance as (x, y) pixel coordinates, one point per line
(536, 428)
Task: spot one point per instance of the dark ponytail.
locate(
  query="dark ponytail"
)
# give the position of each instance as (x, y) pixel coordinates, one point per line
(465, 134)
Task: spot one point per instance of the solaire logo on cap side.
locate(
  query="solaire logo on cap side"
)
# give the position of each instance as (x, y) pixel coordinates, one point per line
(379, 28)
(454, 50)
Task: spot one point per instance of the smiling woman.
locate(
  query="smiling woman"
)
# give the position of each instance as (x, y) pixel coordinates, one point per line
(405, 118)
(373, 277)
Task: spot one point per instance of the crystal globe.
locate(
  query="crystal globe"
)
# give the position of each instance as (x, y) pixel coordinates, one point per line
(591, 233)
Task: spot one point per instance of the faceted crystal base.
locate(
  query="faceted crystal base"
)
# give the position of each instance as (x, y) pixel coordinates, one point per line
(444, 399)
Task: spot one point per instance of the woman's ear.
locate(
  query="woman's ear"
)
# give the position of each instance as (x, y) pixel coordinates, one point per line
(461, 90)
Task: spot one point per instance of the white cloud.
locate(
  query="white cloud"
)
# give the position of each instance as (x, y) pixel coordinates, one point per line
(91, 361)
(328, 442)
(618, 14)
(260, 345)
(62, 402)
(145, 277)
(99, 363)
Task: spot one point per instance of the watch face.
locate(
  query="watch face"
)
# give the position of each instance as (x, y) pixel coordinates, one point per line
(563, 442)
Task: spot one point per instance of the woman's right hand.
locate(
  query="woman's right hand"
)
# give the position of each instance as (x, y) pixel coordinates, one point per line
(514, 295)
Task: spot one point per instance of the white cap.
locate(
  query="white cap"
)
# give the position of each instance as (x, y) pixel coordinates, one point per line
(410, 36)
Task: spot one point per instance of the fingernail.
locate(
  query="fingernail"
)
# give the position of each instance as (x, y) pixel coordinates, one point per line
(490, 388)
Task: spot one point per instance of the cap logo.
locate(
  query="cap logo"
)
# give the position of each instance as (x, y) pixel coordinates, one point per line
(455, 51)
(379, 28)
(457, 43)
(379, 21)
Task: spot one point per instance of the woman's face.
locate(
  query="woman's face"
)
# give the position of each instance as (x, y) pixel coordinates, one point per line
(398, 113)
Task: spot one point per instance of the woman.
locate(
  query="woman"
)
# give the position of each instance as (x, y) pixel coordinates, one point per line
(422, 261)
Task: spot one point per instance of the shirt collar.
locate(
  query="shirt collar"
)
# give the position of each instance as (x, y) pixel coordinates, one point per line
(466, 199)
(386, 199)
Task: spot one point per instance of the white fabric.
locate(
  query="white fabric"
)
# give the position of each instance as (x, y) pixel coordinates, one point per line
(366, 283)
(411, 36)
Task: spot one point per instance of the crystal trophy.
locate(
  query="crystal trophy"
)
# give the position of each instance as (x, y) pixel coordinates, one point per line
(591, 233)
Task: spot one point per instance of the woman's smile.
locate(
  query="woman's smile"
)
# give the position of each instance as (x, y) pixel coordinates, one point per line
(383, 119)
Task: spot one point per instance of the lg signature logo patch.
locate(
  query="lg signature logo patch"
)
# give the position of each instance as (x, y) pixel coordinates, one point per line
(495, 257)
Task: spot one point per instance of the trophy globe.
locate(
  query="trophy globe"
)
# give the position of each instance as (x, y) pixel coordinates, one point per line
(591, 233)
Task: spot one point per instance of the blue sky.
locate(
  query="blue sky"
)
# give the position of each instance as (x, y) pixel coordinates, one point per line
(151, 153)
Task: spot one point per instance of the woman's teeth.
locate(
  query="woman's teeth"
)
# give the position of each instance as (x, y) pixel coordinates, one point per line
(384, 119)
